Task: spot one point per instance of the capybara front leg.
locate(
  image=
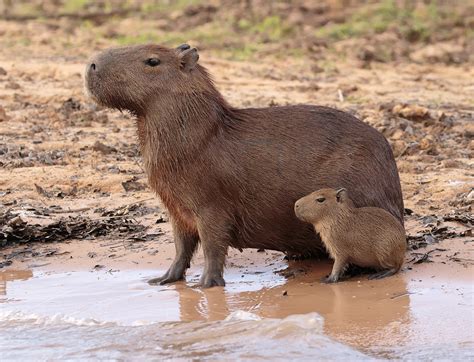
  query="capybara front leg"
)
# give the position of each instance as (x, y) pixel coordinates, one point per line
(337, 271)
(185, 243)
(214, 241)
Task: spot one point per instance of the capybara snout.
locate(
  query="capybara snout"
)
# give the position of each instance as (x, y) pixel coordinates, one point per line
(313, 206)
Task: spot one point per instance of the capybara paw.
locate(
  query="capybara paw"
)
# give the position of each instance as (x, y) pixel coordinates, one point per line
(165, 279)
(208, 281)
(330, 279)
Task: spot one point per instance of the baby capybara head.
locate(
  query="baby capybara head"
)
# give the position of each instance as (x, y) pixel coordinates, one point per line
(132, 77)
(321, 203)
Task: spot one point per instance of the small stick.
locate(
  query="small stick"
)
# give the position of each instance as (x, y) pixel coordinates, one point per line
(88, 208)
(341, 96)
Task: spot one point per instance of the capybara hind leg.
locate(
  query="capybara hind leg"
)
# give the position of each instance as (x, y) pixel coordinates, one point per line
(214, 257)
(185, 244)
(337, 271)
(214, 241)
(383, 274)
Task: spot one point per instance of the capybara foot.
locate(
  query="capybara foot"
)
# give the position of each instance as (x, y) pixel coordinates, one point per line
(330, 279)
(208, 281)
(169, 277)
(382, 274)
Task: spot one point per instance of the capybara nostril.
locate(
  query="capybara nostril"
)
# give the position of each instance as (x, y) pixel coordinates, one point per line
(93, 66)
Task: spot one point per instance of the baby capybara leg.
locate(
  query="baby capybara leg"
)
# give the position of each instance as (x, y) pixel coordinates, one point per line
(337, 271)
(185, 244)
(383, 274)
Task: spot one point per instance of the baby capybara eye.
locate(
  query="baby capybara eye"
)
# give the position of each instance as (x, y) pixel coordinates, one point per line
(320, 199)
(152, 62)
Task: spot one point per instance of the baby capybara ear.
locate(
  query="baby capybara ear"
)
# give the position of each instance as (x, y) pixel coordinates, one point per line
(183, 47)
(341, 194)
(188, 58)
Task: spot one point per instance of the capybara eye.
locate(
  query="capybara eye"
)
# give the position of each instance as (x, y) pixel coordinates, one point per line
(153, 62)
(320, 199)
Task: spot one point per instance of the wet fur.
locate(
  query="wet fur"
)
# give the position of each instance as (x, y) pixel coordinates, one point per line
(230, 177)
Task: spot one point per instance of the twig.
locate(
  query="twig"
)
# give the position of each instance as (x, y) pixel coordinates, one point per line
(70, 211)
(340, 95)
(88, 208)
(400, 295)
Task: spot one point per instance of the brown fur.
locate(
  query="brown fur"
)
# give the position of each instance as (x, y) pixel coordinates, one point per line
(228, 176)
(365, 236)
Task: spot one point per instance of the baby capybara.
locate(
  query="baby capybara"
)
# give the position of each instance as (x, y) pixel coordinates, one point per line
(229, 177)
(364, 236)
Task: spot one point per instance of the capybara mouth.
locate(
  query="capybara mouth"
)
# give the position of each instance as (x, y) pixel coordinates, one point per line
(299, 212)
(97, 90)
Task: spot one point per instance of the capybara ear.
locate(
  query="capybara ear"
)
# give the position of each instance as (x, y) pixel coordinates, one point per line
(189, 58)
(341, 194)
(183, 47)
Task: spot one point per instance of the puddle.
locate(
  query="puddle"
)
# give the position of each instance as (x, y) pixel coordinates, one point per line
(113, 313)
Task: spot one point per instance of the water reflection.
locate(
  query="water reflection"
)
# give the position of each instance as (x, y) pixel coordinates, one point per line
(359, 312)
(10, 275)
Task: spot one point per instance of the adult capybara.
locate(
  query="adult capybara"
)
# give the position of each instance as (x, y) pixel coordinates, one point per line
(228, 176)
(364, 236)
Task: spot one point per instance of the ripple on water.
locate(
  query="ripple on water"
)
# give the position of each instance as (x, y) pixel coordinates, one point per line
(242, 335)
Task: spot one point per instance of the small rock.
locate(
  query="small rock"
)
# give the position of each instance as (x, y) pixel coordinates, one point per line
(17, 220)
(428, 144)
(104, 149)
(160, 220)
(412, 112)
(3, 71)
(12, 85)
(409, 130)
(398, 135)
(399, 148)
(285, 293)
(452, 163)
(133, 185)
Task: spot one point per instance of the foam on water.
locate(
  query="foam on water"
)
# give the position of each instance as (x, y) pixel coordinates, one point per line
(242, 335)
(18, 316)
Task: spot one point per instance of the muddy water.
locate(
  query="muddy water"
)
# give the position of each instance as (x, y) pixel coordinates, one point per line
(49, 313)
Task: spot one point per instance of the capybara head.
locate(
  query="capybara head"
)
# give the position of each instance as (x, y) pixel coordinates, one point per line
(133, 77)
(319, 204)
